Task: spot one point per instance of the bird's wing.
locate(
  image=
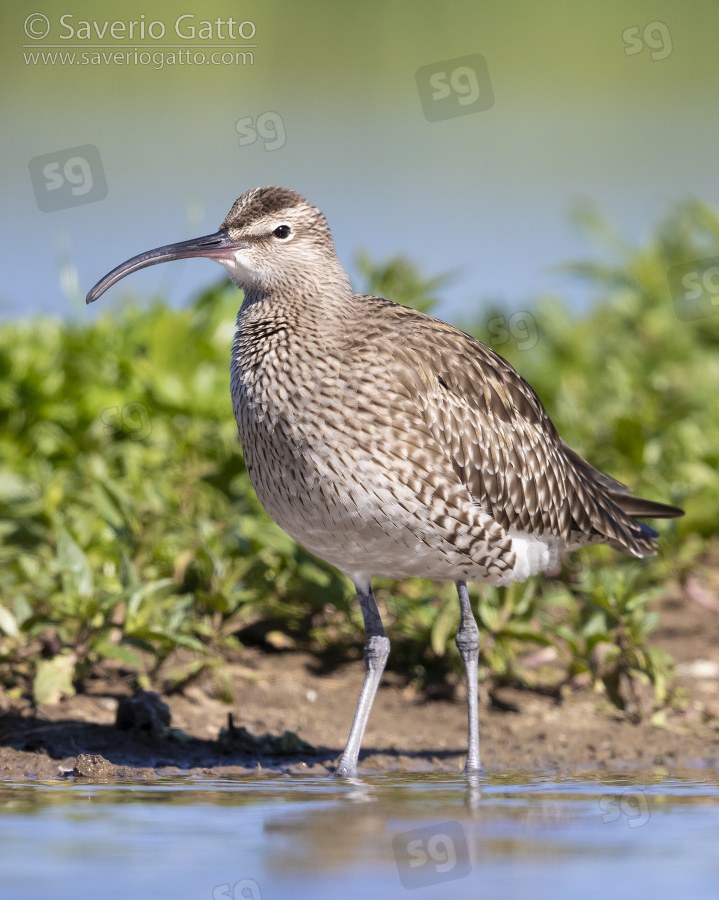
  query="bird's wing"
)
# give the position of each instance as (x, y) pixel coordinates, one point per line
(491, 427)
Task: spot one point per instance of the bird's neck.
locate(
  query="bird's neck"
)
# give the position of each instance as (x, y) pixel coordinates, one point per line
(285, 336)
(315, 302)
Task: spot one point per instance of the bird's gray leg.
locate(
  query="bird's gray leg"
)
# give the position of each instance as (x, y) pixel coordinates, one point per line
(467, 641)
(376, 652)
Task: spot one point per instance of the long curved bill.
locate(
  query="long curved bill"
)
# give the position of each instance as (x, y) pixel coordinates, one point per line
(217, 246)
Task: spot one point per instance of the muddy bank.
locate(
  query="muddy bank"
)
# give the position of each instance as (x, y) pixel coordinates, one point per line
(277, 693)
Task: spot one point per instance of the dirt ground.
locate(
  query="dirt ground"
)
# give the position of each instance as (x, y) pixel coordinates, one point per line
(279, 692)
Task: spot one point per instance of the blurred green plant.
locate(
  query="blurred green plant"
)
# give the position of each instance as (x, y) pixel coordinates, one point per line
(400, 279)
(130, 530)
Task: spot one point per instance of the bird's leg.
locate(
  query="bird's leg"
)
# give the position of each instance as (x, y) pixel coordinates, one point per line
(376, 652)
(467, 641)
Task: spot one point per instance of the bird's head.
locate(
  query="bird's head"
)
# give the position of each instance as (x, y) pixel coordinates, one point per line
(271, 241)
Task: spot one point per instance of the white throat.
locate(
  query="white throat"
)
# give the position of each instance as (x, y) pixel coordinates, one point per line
(243, 275)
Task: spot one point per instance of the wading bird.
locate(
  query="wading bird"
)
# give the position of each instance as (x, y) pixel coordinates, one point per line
(389, 443)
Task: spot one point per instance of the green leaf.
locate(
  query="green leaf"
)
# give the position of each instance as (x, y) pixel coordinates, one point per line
(15, 488)
(76, 571)
(154, 589)
(23, 610)
(8, 623)
(490, 616)
(445, 624)
(53, 678)
(120, 652)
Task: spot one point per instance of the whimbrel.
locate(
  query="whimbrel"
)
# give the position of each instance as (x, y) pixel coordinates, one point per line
(389, 443)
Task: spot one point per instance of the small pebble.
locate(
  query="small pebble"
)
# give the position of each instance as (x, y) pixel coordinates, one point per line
(92, 765)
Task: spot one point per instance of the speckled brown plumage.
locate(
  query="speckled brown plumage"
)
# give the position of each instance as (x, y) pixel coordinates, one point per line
(388, 442)
(260, 202)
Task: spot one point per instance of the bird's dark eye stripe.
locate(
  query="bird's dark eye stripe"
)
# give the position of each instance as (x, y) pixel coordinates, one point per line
(282, 231)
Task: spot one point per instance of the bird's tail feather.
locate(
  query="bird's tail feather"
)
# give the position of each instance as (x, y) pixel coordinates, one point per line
(634, 536)
(640, 508)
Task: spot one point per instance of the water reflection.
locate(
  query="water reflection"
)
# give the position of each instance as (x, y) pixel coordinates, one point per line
(437, 835)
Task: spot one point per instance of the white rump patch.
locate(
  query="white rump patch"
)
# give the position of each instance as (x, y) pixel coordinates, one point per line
(534, 553)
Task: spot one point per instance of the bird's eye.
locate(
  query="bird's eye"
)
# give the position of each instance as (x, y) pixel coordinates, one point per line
(282, 232)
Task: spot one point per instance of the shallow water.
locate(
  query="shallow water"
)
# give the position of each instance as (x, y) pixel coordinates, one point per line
(265, 837)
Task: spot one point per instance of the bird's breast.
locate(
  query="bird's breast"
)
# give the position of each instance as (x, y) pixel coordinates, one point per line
(319, 430)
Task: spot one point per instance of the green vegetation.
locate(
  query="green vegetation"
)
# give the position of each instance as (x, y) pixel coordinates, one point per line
(129, 527)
